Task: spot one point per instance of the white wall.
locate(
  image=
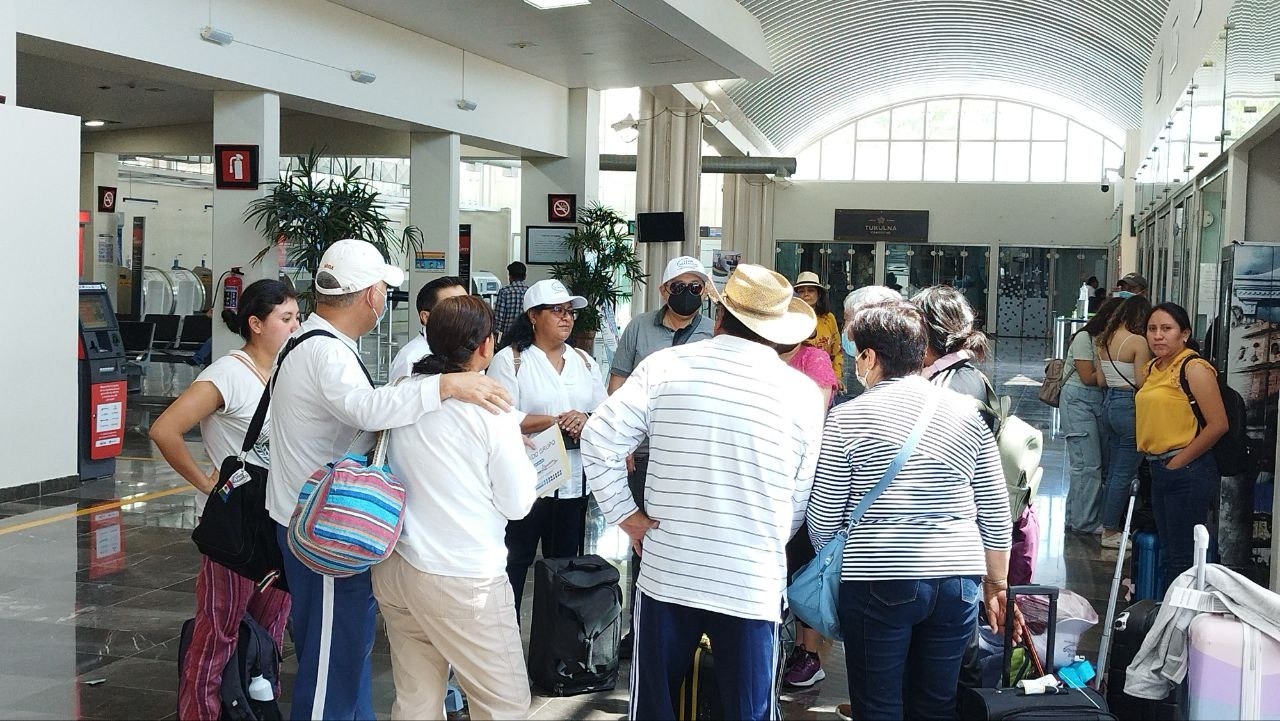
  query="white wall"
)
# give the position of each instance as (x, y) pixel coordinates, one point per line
(418, 79)
(39, 205)
(177, 225)
(8, 52)
(964, 213)
(1183, 41)
(1262, 211)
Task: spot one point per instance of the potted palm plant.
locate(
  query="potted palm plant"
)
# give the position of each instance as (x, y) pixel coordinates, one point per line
(601, 258)
(308, 212)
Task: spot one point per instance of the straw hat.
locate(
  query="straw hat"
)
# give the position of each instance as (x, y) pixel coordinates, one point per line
(809, 278)
(765, 303)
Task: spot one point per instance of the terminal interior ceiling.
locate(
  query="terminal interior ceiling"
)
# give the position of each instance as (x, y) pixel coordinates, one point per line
(1177, 102)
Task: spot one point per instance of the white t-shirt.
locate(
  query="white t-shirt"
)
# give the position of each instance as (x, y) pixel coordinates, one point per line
(412, 352)
(466, 473)
(540, 390)
(224, 430)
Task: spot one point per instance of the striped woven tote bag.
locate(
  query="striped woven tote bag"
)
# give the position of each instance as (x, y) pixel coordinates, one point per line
(349, 514)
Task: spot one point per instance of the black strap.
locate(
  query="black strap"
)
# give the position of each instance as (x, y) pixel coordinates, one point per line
(1118, 371)
(1186, 388)
(260, 415)
(681, 336)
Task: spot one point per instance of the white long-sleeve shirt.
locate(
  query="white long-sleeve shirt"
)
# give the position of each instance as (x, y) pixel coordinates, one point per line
(734, 437)
(466, 473)
(412, 352)
(320, 399)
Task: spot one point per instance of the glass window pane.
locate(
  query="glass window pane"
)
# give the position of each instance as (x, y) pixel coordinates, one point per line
(942, 120)
(807, 162)
(1012, 162)
(1084, 154)
(940, 161)
(977, 120)
(975, 160)
(872, 160)
(1048, 162)
(1013, 122)
(1048, 126)
(1113, 156)
(837, 155)
(905, 158)
(908, 122)
(874, 127)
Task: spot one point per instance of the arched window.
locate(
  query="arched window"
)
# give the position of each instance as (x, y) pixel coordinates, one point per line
(969, 139)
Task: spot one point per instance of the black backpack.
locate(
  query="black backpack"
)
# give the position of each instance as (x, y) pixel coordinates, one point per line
(1232, 449)
(577, 624)
(256, 655)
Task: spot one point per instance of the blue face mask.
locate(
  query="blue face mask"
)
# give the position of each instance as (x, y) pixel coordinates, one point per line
(1122, 294)
(850, 348)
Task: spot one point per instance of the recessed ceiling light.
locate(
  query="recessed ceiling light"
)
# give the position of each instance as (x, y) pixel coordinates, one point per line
(522, 44)
(94, 123)
(553, 4)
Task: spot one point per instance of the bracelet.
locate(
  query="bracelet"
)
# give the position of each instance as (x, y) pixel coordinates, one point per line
(1002, 583)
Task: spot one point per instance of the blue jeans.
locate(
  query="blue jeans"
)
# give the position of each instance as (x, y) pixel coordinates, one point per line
(1082, 423)
(1180, 500)
(1123, 459)
(903, 643)
(746, 657)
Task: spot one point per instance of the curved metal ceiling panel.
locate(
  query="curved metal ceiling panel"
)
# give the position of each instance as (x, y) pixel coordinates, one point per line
(832, 55)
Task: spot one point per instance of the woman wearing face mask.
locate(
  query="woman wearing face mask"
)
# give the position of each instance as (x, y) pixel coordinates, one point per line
(222, 400)
(1180, 449)
(827, 335)
(554, 384)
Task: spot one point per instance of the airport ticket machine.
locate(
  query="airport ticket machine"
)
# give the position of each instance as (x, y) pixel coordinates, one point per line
(102, 384)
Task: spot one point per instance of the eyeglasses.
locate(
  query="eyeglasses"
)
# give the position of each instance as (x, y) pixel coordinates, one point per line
(679, 286)
(561, 310)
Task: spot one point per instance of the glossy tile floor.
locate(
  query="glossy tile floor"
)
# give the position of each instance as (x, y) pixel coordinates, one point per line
(96, 582)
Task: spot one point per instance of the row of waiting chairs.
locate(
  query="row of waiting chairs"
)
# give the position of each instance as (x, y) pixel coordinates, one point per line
(166, 338)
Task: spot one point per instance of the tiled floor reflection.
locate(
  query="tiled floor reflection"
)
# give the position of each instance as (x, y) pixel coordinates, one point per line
(96, 582)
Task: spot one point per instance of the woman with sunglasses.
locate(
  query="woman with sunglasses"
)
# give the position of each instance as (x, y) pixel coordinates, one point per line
(554, 384)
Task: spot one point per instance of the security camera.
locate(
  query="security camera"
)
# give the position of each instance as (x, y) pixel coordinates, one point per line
(1105, 187)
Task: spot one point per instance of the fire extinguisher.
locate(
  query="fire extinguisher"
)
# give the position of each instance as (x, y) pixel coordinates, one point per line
(231, 288)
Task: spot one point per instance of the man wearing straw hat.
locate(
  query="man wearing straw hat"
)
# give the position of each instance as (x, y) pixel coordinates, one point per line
(734, 435)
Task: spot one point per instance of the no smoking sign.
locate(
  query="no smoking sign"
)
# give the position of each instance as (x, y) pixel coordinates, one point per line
(562, 207)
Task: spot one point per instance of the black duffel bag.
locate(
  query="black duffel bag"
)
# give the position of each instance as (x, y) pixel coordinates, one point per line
(577, 624)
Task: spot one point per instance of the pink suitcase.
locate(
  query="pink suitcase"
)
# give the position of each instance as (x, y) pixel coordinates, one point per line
(1233, 670)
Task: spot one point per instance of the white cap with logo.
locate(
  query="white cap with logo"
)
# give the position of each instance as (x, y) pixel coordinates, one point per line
(685, 264)
(356, 265)
(551, 292)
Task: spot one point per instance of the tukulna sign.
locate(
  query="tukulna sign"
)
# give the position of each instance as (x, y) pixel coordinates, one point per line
(902, 226)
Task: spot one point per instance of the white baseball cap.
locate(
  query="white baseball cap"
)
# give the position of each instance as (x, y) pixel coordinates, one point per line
(685, 264)
(551, 292)
(356, 265)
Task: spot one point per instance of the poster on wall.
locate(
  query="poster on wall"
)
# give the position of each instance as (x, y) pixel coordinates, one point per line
(429, 260)
(464, 255)
(544, 244)
(1251, 302)
(723, 263)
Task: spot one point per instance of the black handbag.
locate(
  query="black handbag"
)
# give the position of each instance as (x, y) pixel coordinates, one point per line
(235, 530)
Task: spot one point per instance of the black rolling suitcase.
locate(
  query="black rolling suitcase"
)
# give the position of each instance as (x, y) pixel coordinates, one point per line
(699, 698)
(577, 624)
(1130, 628)
(1011, 703)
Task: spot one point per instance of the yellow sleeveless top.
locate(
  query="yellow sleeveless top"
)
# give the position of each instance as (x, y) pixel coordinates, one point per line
(1165, 421)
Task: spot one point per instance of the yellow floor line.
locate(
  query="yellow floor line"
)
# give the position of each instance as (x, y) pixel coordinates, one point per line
(140, 498)
(138, 458)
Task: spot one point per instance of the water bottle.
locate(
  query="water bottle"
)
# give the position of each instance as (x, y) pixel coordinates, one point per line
(262, 700)
(260, 689)
(1082, 302)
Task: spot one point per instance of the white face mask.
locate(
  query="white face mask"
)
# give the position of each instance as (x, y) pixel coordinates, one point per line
(860, 377)
(379, 314)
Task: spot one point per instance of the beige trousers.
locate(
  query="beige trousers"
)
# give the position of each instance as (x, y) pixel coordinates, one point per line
(437, 621)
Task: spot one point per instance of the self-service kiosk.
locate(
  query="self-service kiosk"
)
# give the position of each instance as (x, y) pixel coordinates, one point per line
(102, 384)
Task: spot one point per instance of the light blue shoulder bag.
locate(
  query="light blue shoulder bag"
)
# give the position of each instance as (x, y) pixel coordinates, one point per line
(814, 593)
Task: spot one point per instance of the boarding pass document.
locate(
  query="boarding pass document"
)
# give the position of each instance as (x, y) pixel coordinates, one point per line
(550, 459)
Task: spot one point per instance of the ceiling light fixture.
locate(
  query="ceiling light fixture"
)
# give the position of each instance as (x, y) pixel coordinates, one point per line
(94, 123)
(554, 4)
(628, 129)
(361, 76)
(467, 105)
(213, 35)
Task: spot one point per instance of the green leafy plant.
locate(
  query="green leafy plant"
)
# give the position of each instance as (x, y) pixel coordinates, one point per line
(601, 257)
(309, 211)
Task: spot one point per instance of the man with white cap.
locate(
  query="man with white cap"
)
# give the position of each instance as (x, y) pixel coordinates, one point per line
(322, 395)
(734, 438)
(685, 284)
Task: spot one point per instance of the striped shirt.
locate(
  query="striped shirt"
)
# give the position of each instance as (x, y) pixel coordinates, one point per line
(734, 436)
(940, 512)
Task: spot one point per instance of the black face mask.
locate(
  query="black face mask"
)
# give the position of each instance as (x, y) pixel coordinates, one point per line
(684, 303)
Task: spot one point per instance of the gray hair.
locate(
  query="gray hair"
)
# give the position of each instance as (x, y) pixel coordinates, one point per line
(864, 296)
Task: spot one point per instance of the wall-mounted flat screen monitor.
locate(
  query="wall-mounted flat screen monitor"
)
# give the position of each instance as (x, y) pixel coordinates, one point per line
(659, 227)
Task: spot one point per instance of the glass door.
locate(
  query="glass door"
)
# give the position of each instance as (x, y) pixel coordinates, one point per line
(844, 267)
(1071, 268)
(915, 266)
(1023, 292)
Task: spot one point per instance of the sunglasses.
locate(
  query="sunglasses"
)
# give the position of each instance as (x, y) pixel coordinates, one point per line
(561, 310)
(680, 286)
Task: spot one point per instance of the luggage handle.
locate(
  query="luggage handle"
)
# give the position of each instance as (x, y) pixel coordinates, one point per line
(1011, 597)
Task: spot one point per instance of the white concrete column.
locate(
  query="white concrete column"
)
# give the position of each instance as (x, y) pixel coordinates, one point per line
(577, 173)
(1129, 204)
(8, 52)
(668, 178)
(433, 205)
(244, 118)
(99, 169)
(748, 218)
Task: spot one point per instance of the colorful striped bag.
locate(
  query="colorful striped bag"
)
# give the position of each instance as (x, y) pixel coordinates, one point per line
(349, 514)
